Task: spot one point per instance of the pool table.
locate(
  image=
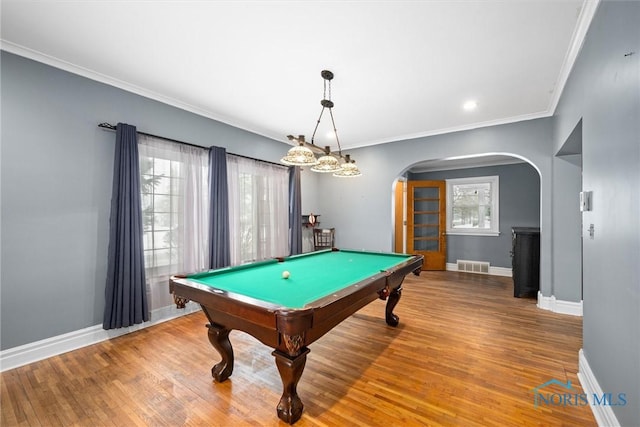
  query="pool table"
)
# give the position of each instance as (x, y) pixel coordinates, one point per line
(288, 314)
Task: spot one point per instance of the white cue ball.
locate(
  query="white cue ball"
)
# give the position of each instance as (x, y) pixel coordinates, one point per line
(285, 274)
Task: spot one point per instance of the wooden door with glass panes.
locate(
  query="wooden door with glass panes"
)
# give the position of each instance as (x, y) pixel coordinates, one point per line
(426, 222)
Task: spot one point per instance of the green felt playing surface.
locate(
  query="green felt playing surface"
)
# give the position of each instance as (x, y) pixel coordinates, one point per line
(312, 276)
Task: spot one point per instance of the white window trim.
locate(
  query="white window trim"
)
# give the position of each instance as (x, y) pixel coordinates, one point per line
(495, 214)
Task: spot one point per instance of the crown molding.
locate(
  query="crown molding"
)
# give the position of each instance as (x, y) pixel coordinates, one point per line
(128, 87)
(587, 13)
(443, 131)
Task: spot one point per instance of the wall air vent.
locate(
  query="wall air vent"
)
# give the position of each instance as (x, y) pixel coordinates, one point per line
(473, 266)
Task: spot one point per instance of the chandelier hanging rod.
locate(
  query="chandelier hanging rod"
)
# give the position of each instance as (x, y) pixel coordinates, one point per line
(327, 103)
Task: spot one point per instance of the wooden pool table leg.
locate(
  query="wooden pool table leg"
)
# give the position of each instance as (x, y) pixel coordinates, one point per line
(290, 406)
(392, 301)
(219, 339)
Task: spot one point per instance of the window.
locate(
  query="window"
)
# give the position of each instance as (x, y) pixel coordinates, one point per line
(472, 206)
(175, 209)
(161, 208)
(258, 209)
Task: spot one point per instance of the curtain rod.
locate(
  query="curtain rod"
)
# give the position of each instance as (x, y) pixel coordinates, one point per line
(109, 126)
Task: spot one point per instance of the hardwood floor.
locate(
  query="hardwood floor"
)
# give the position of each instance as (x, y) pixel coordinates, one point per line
(466, 353)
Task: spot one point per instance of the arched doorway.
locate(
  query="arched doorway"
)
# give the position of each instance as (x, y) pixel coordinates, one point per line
(520, 199)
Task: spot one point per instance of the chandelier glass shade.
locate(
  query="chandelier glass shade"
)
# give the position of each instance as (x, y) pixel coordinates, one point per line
(304, 154)
(299, 155)
(327, 163)
(348, 169)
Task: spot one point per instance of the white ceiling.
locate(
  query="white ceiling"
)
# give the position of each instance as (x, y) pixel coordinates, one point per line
(402, 68)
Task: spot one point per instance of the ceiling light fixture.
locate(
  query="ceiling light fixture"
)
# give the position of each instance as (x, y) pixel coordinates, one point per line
(470, 105)
(348, 169)
(327, 163)
(299, 155)
(303, 153)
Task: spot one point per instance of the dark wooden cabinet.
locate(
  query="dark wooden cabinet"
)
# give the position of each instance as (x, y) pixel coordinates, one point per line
(525, 260)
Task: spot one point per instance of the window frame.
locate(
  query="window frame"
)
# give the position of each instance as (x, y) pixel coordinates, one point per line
(248, 178)
(163, 270)
(494, 183)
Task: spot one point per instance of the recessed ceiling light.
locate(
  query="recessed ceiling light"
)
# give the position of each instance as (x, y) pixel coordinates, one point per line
(470, 105)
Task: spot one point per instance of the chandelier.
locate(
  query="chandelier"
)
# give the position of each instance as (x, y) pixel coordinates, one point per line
(304, 153)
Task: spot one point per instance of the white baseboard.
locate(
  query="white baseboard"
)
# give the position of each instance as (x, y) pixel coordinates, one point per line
(559, 306)
(493, 271)
(603, 413)
(43, 349)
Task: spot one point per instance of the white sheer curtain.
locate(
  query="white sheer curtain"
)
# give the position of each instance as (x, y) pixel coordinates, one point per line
(175, 212)
(258, 209)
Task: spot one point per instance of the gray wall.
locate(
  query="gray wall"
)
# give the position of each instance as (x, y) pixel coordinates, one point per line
(604, 91)
(519, 206)
(56, 177)
(567, 221)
